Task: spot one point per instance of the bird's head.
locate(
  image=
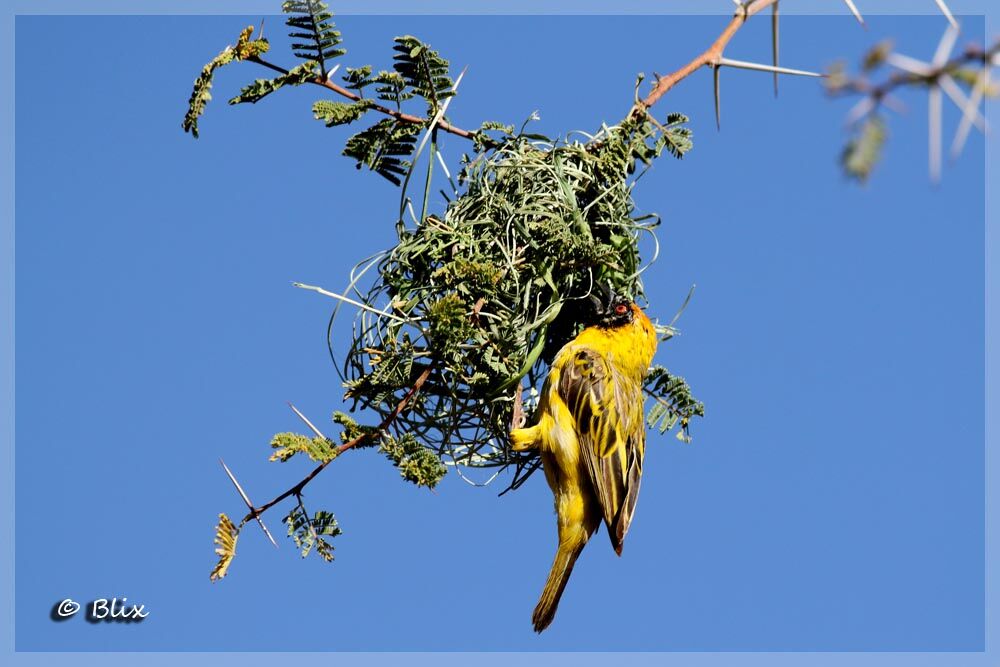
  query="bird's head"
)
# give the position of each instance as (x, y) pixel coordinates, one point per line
(611, 309)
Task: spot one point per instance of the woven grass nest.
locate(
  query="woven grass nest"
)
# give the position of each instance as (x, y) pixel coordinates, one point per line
(486, 294)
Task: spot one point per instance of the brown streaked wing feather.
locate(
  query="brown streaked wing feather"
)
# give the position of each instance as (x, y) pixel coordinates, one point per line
(604, 405)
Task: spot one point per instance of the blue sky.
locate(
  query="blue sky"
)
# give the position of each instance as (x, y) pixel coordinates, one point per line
(832, 498)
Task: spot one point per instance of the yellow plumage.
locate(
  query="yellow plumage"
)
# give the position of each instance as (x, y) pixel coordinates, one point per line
(590, 433)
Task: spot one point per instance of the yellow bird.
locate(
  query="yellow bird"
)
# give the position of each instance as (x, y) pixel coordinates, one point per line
(591, 435)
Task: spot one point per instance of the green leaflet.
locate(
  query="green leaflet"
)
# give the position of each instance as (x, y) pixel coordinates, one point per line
(339, 113)
(226, 535)
(864, 150)
(416, 463)
(423, 70)
(383, 147)
(309, 534)
(311, 22)
(673, 402)
(303, 73)
(201, 93)
(287, 445)
(876, 55)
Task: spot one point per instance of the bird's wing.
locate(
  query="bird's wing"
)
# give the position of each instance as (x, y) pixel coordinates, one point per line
(607, 408)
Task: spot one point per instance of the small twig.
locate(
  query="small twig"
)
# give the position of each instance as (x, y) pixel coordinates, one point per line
(915, 72)
(344, 92)
(391, 417)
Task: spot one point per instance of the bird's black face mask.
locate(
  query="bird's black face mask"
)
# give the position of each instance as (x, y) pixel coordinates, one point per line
(611, 309)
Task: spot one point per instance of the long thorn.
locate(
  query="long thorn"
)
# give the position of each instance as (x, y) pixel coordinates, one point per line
(945, 46)
(329, 75)
(440, 114)
(908, 64)
(774, 42)
(934, 132)
(854, 10)
(947, 12)
(952, 90)
(864, 106)
(246, 499)
(718, 106)
(969, 113)
(742, 64)
(308, 423)
(893, 103)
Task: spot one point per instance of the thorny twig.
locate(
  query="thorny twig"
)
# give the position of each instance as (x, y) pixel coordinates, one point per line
(325, 82)
(296, 490)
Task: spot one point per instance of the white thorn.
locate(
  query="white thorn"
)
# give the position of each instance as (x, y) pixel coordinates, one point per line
(742, 64)
(246, 499)
(319, 434)
(854, 10)
(969, 112)
(439, 115)
(774, 42)
(945, 46)
(952, 90)
(934, 132)
(947, 12)
(718, 107)
(860, 110)
(892, 102)
(329, 75)
(908, 64)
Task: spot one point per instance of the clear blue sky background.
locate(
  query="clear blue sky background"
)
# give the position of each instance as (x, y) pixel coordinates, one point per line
(832, 498)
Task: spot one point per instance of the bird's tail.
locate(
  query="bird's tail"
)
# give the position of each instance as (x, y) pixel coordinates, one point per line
(562, 567)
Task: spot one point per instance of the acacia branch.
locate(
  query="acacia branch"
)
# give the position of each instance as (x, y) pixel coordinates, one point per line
(354, 97)
(878, 93)
(711, 56)
(364, 438)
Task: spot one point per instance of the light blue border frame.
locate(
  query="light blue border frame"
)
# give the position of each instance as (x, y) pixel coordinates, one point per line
(10, 10)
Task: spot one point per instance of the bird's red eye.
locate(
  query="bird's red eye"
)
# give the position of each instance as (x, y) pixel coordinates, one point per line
(621, 309)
